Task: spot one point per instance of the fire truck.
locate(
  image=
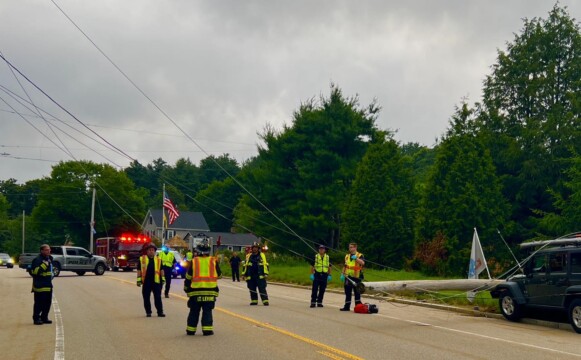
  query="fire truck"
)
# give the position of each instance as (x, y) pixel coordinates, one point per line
(122, 252)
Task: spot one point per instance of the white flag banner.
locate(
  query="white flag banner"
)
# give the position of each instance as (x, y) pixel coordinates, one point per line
(477, 260)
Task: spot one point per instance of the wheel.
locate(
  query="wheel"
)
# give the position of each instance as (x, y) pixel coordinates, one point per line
(56, 269)
(128, 269)
(574, 314)
(510, 309)
(80, 273)
(9, 266)
(115, 268)
(100, 269)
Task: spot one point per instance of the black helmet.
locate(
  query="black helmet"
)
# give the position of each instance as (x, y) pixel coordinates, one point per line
(203, 248)
(149, 245)
(256, 244)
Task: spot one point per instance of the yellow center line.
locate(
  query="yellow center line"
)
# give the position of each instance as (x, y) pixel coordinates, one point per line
(277, 329)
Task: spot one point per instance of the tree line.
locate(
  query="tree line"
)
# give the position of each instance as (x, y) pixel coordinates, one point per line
(508, 163)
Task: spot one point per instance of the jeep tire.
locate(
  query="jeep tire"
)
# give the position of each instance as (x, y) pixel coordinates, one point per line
(574, 315)
(510, 309)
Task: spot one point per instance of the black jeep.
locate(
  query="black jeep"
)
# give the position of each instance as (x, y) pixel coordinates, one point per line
(550, 279)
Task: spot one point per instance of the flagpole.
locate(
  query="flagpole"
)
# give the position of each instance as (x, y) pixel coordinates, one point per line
(162, 216)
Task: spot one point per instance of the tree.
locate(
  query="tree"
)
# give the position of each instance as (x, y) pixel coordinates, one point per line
(217, 202)
(214, 168)
(305, 170)
(64, 206)
(463, 192)
(531, 115)
(380, 211)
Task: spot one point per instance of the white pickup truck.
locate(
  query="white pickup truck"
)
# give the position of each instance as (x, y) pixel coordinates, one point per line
(69, 258)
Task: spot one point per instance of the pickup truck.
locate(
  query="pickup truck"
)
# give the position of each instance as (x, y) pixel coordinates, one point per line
(68, 258)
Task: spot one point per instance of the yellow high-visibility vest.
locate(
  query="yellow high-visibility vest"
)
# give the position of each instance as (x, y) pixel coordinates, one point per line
(167, 259)
(156, 265)
(321, 263)
(204, 278)
(351, 267)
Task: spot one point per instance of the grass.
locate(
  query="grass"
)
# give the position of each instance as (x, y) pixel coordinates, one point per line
(290, 270)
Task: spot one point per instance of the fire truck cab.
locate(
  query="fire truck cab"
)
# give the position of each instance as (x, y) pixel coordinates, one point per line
(121, 252)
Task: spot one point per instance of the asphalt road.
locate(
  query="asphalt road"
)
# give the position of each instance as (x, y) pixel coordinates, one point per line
(102, 317)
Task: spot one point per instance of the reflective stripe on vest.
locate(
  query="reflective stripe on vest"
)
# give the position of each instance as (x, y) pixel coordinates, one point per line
(204, 272)
(156, 267)
(353, 269)
(321, 264)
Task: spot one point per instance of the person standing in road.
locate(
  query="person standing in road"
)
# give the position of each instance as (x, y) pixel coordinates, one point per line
(41, 271)
(150, 276)
(352, 275)
(168, 261)
(235, 265)
(320, 274)
(201, 285)
(255, 272)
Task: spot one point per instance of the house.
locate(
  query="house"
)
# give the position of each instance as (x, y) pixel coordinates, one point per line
(187, 226)
(232, 241)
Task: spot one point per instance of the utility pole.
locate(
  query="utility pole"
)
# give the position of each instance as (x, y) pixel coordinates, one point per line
(92, 227)
(23, 228)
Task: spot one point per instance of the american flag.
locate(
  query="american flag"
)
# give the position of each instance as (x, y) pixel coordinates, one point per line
(171, 209)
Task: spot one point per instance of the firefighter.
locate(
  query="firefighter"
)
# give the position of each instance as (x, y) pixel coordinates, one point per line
(168, 261)
(149, 275)
(320, 274)
(201, 285)
(255, 272)
(352, 275)
(41, 271)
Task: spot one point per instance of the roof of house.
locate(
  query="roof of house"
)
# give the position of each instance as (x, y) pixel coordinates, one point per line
(232, 239)
(188, 220)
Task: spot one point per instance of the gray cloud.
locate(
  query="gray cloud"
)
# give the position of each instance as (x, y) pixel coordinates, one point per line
(224, 69)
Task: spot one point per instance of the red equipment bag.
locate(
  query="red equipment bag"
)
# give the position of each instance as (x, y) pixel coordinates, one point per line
(366, 309)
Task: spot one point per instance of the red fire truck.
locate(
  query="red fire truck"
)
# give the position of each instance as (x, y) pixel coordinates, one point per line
(122, 252)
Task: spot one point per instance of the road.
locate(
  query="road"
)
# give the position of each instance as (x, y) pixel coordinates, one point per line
(102, 317)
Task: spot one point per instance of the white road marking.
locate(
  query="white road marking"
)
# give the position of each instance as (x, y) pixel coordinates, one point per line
(59, 345)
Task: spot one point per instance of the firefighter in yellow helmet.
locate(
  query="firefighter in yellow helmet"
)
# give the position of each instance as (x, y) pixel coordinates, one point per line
(255, 272)
(150, 275)
(201, 285)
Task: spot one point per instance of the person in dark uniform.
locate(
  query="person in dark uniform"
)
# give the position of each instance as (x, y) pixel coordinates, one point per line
(201, 286)
(320, 274)
(41, 271)
(352, 275)
(255, 272)
(150, 275)
(235, 265)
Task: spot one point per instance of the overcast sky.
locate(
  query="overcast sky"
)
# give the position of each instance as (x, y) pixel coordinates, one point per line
(222, 70)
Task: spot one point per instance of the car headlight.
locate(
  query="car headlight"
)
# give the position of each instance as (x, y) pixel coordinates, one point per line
(11, 261)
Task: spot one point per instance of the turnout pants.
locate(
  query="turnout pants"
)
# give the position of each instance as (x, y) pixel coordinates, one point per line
(235, 274)
(167, 273)
(42, 302)
(146, 291)
(204, 304)
(257, 286)
(319, 286)
(349, 287)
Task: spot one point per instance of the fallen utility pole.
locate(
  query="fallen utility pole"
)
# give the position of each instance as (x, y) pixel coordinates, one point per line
(430, 285)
